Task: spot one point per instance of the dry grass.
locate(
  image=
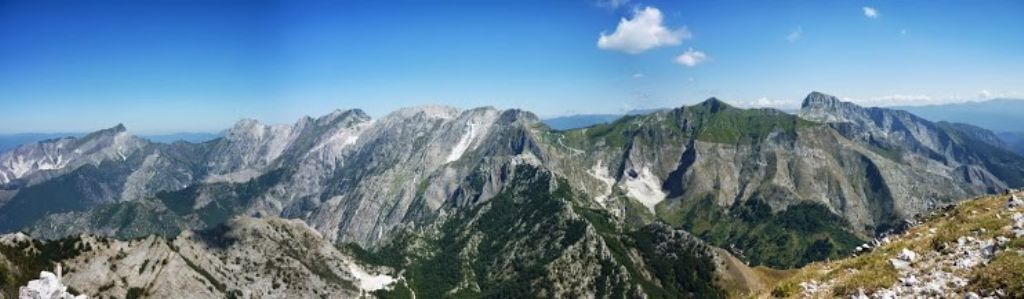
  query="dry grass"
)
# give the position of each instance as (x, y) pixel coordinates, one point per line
(983, 217)
(1005, 272)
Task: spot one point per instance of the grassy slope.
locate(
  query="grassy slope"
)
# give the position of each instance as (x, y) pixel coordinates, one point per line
(984, 218)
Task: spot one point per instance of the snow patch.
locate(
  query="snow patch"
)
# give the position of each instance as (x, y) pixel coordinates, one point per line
(463, 145)
(646, 188)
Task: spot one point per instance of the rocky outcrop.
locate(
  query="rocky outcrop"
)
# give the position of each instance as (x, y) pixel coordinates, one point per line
(247, 257)
(969, 250)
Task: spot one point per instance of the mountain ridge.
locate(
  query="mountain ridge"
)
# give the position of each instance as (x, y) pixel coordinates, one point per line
(768, 187)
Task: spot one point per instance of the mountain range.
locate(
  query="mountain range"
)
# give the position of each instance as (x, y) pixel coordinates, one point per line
(997, 115)
(11, 141)
(576, 121)
(440, 202)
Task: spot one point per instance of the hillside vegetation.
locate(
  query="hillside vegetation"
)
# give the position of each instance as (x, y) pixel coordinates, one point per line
(975, 248)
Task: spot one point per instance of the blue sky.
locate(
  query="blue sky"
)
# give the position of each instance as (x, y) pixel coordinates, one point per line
(170, 66)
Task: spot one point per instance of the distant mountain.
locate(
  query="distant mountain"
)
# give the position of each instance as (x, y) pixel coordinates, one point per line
(585, 120)
(579, 120)
(10, 141)
(494, 203)
(999, 115)
(187, 137)
(1013, 140)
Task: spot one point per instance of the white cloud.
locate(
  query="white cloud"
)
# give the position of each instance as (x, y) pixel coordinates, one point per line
(691, 58)
(922, 99)
(611, 4)
(641, 33)
(638, 75)
(984, 94)
(795, 35)
(870, 12)
(764, 102)
(905, 100)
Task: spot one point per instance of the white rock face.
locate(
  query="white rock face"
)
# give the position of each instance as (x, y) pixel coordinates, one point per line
(370, 282)
(464, 142)
(67, 153)
(48, 286)
(645, 187)
(247, 148)
(404, 154)
(600, 172)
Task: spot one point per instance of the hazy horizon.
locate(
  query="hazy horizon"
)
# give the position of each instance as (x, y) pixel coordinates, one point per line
(170, 133)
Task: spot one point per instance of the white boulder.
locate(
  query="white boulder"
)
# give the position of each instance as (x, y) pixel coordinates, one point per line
(1014, 202)
(907, 255)
(48, 286)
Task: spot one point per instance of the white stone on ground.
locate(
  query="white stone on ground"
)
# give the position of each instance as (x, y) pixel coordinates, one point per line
(1018, 224)
(48, 286)
(1014, 202)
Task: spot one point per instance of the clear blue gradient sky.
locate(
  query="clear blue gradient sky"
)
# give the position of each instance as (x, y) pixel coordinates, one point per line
(171, 66)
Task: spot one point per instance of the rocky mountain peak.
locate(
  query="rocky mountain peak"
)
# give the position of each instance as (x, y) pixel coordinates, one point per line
(118, 129)
(245, 124)
(515, 115)
(822, 107)
(339, 114)
(819, 99)
(713, 105)
(426, 111)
